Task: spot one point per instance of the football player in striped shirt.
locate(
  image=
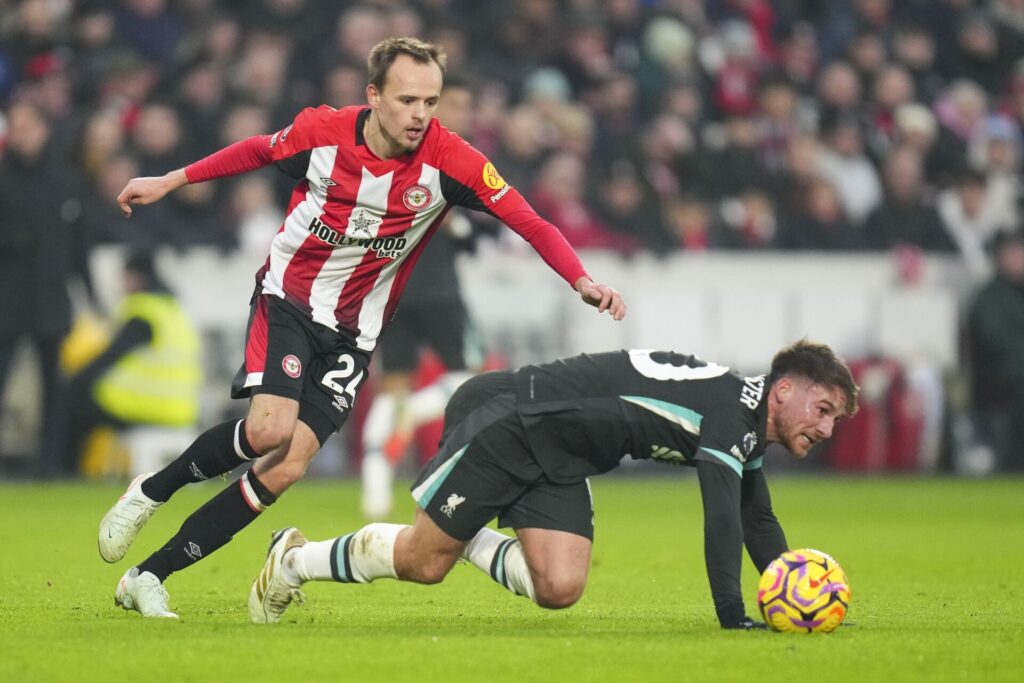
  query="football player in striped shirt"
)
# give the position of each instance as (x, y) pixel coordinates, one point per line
(376, 182)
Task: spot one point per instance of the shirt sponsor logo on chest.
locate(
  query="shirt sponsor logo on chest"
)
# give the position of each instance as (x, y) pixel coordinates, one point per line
(385, 247)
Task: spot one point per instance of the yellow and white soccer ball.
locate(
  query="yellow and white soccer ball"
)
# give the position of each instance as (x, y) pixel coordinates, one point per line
(803, 591)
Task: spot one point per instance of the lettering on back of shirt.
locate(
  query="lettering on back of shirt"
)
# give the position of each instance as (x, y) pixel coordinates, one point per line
(752, 391)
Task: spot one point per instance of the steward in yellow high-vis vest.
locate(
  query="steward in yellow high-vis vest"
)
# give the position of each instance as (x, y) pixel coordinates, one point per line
(151, 371)
(157, 382)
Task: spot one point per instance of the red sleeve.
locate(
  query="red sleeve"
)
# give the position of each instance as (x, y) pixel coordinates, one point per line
(242, 156)
(478, 185)
(549, 242)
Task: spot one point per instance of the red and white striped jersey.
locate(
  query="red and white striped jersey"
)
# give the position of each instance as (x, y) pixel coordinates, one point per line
(356, 223)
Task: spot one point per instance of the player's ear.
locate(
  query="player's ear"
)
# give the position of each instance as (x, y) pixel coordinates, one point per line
(372, 95)
(783, 389)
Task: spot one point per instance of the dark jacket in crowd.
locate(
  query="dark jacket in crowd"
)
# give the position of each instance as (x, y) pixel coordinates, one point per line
(40, 209)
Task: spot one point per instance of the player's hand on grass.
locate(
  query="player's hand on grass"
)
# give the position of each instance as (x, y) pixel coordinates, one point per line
(746, 624)
(602, 296)
(149, 190)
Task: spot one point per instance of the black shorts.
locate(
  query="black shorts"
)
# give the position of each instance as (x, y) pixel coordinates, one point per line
(439, 325)
(485, 469)
(287, 354)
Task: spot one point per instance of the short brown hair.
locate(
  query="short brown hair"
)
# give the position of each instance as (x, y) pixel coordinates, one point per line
(384, 53)
(819, 364)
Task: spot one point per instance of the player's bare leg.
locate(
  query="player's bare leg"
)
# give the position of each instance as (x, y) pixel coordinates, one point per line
(421, 553)
(549, 567)
(559, 562)
(279, 470)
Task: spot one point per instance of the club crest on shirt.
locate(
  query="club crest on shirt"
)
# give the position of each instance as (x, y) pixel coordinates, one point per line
(292, 366)
(492, 178)
(417, 198)
(749, 442)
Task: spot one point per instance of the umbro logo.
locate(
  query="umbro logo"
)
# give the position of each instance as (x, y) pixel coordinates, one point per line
(328, 182)
(196, 472)
(341, 403)
(194, 551)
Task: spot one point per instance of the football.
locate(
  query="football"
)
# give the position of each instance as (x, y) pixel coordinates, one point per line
(803, 591)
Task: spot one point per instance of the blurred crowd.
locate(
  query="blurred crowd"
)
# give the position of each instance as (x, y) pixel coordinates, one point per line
(631, 124)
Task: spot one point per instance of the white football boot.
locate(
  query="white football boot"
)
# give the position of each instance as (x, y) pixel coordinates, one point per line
(122, 523)
(143, 593)
(271, 592)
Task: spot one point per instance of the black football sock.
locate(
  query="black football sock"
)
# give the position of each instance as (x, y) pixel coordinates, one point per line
(211, 526)
(218, 450)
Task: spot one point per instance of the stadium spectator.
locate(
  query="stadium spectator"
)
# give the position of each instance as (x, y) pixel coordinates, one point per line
(820, 224)
(627, 66)
(626, 203)
(839, 94)
(995, 331)
(520, 446)
(892, 88)
(559, 195)
(972, 221)
(151, 371)
(960, 111)
(152, 28)
(41, 250)
(846, 167)
(905, 216)
(914, 48)
(329, 286)
(729, 169)
(979, 57)
(749, 221)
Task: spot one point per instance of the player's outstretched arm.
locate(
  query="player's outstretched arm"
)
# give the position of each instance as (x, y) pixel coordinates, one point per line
(602, 296)
(149, 190)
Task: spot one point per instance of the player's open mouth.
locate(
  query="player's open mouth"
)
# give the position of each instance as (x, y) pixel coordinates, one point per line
(413, 133)
(809, 441)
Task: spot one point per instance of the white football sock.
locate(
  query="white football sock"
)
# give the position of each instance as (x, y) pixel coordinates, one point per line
(501, 557)
(358, 557)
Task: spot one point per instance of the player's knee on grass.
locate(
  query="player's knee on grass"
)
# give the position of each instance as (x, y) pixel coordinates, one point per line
(428, 569)
(558, 590)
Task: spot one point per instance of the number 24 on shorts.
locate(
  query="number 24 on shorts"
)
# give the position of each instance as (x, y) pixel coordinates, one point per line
(344, 394)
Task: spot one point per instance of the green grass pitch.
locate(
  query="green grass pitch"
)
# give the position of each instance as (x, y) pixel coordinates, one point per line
(935, 566)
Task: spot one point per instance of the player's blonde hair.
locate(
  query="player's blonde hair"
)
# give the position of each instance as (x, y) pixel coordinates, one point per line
(384, 54)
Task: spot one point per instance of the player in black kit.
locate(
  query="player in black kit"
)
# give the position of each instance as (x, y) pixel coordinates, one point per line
(519, 446)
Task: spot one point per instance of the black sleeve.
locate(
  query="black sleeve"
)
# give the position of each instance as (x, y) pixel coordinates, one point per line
(762, 533)
(135, 332)
(296, 165)
(723, 539)
(459, 194)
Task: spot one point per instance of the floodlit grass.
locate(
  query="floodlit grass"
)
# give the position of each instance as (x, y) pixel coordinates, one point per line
(935, 566)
